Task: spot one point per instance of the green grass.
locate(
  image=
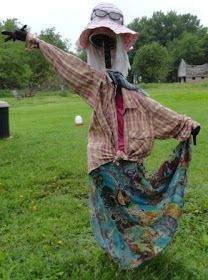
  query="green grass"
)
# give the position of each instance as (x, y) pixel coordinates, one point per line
(45, 230)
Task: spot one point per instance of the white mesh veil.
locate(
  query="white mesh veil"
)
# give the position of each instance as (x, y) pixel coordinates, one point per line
(119, 57)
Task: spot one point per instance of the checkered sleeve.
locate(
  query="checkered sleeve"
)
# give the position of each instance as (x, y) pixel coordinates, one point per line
(83, 78)
(169, 124)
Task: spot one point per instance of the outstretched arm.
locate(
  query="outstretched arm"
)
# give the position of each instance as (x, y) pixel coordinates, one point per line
(83, 78)
(169, 124)
(16, 34)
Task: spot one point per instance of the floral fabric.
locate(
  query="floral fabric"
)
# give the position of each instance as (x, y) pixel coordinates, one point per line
(135, 216)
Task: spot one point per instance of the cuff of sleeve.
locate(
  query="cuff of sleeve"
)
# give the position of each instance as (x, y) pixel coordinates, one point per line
(32, 41)
(188, 126)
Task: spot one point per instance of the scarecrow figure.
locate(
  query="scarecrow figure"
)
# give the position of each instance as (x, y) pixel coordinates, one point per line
(134, 217)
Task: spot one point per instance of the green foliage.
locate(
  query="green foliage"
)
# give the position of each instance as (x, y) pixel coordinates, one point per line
(14, 71)
(82, 54)
(50, 36)
(164, 28)
(43, 74)
(44, 215)
(28, 69)
(182, 35)
(151, 63)
(190, 47)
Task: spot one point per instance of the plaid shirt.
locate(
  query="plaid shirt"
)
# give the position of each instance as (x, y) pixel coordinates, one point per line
(144, 118)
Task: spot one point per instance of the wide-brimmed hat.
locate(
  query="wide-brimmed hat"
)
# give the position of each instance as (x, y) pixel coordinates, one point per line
(107, 16)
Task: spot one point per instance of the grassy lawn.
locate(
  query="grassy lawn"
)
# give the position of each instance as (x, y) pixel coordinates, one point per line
(45, 230)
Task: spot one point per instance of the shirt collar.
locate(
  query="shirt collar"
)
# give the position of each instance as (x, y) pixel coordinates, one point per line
(129, 98)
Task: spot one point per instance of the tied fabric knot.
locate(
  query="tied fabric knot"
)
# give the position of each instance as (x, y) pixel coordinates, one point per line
(119, 80)
(120, 155)
(32, 41)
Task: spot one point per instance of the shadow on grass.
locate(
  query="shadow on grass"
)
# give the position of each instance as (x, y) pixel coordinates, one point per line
(162, 267)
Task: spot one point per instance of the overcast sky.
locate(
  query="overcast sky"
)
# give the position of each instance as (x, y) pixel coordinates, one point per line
(70, 17)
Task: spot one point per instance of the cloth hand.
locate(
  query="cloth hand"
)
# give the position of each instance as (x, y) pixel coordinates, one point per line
(16, 34)
(194, 133)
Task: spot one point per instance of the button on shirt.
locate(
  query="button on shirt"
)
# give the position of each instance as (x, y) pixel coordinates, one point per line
(143, 119)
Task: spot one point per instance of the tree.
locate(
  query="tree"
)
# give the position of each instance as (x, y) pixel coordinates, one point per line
(151, 63)
(50, 36)
(204, 46)
(171, 30)
(164, 28)
(27, 69)
(14, 71)
(43, 74)
(82, 54)
(190, 47)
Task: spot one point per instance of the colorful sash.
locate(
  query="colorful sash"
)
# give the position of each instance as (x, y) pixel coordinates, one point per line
(134, 216)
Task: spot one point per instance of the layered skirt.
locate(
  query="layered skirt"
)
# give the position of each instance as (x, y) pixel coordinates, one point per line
(135, 214)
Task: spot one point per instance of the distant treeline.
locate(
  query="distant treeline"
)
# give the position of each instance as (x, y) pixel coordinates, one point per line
(164, 39)
(21, 68)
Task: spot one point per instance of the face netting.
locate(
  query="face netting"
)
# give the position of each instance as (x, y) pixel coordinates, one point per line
(119, 57)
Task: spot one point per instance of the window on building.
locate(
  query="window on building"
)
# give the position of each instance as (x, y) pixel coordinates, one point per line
(193, 78)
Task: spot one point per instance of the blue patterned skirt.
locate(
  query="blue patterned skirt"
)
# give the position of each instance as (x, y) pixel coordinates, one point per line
(135, 215)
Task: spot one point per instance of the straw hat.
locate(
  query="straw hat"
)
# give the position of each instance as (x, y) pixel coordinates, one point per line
(110, 18)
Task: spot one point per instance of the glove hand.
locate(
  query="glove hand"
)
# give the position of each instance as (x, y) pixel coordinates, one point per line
(194, 133)
(16, 34)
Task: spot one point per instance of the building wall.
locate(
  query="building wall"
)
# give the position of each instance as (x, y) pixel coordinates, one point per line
(192, 73)
(196, 79)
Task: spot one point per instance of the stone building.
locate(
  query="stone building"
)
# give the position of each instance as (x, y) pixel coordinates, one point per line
(192, 73)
